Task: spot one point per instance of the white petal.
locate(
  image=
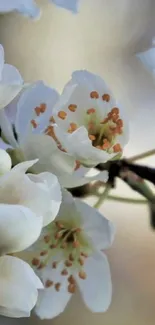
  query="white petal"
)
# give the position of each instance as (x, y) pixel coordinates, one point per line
(5, 162)
(26, 7)
(96, 289)
(28, 191)
(98, 228)
(71, 5)
(24, 166)
(7, 130)
(51, 159)
(7, 93)
(19, 286)
(82, 176)
(50, 302)
(148, 59)
(32, 97)
(19, 229)
(54, 191)
(10, 75)
(80, 146)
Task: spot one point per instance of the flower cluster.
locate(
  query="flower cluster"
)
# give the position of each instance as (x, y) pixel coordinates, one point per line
(53, 142)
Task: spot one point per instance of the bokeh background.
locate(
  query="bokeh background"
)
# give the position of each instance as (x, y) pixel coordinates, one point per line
(103, 38)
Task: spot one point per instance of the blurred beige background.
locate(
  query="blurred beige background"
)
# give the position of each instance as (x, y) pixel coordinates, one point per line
(103, 38)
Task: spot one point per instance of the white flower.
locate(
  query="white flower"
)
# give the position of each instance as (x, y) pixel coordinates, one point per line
(25, 7)
(19, 228)
(32, 124)
(71, 5)
(27, 203)
(39, 193)
(148, 59)
(89, 123)
(11, 81)
(69, 254)
(5, 162)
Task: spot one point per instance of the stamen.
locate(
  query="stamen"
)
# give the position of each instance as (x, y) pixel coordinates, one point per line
(84, 254)
(48, 283)
(57, 286)
(72, 107)
(37, 110)
(64, 272)
(81, 261)
(106, 97)
(53, 246)
(35, 261)
(117, 148)
(34, 124)
(71, 279)
(71, 258)
(43, 107)
(46, 239)
(82, 275)
(94, 94)
(120, 122)
(52, 120)
(54, 265)
(59, 225)
(62, 115)
(68, 263)
(73, 127)
(91, 111)
(92, 137)
(91, 126)
(43, 253)
(71, 288)
(115, 110)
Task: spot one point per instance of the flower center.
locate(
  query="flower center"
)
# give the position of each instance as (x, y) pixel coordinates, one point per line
(63, 243)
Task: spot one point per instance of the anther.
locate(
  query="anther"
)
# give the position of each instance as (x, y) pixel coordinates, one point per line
(43, 253)
(106, 97)
(46, 239)
(115, 110)
(48, 283)
(52, 120)
(91, 111)
(92, 137)
(71, 288)
(71, 279)
(62, 115)
(82, 275)
(54, 265)
(34, 124)
(35, 261)
(37, 110)
(76, 243)
(42, 107)
(94, 94)
(64, 272)
(72, 107)
(68, 263)
(57, 286)
(71, 258)
(117, 148)
(81, 261)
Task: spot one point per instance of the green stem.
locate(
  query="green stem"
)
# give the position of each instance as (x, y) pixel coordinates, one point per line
(102, 197)
(126, 200)
(142, 155)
